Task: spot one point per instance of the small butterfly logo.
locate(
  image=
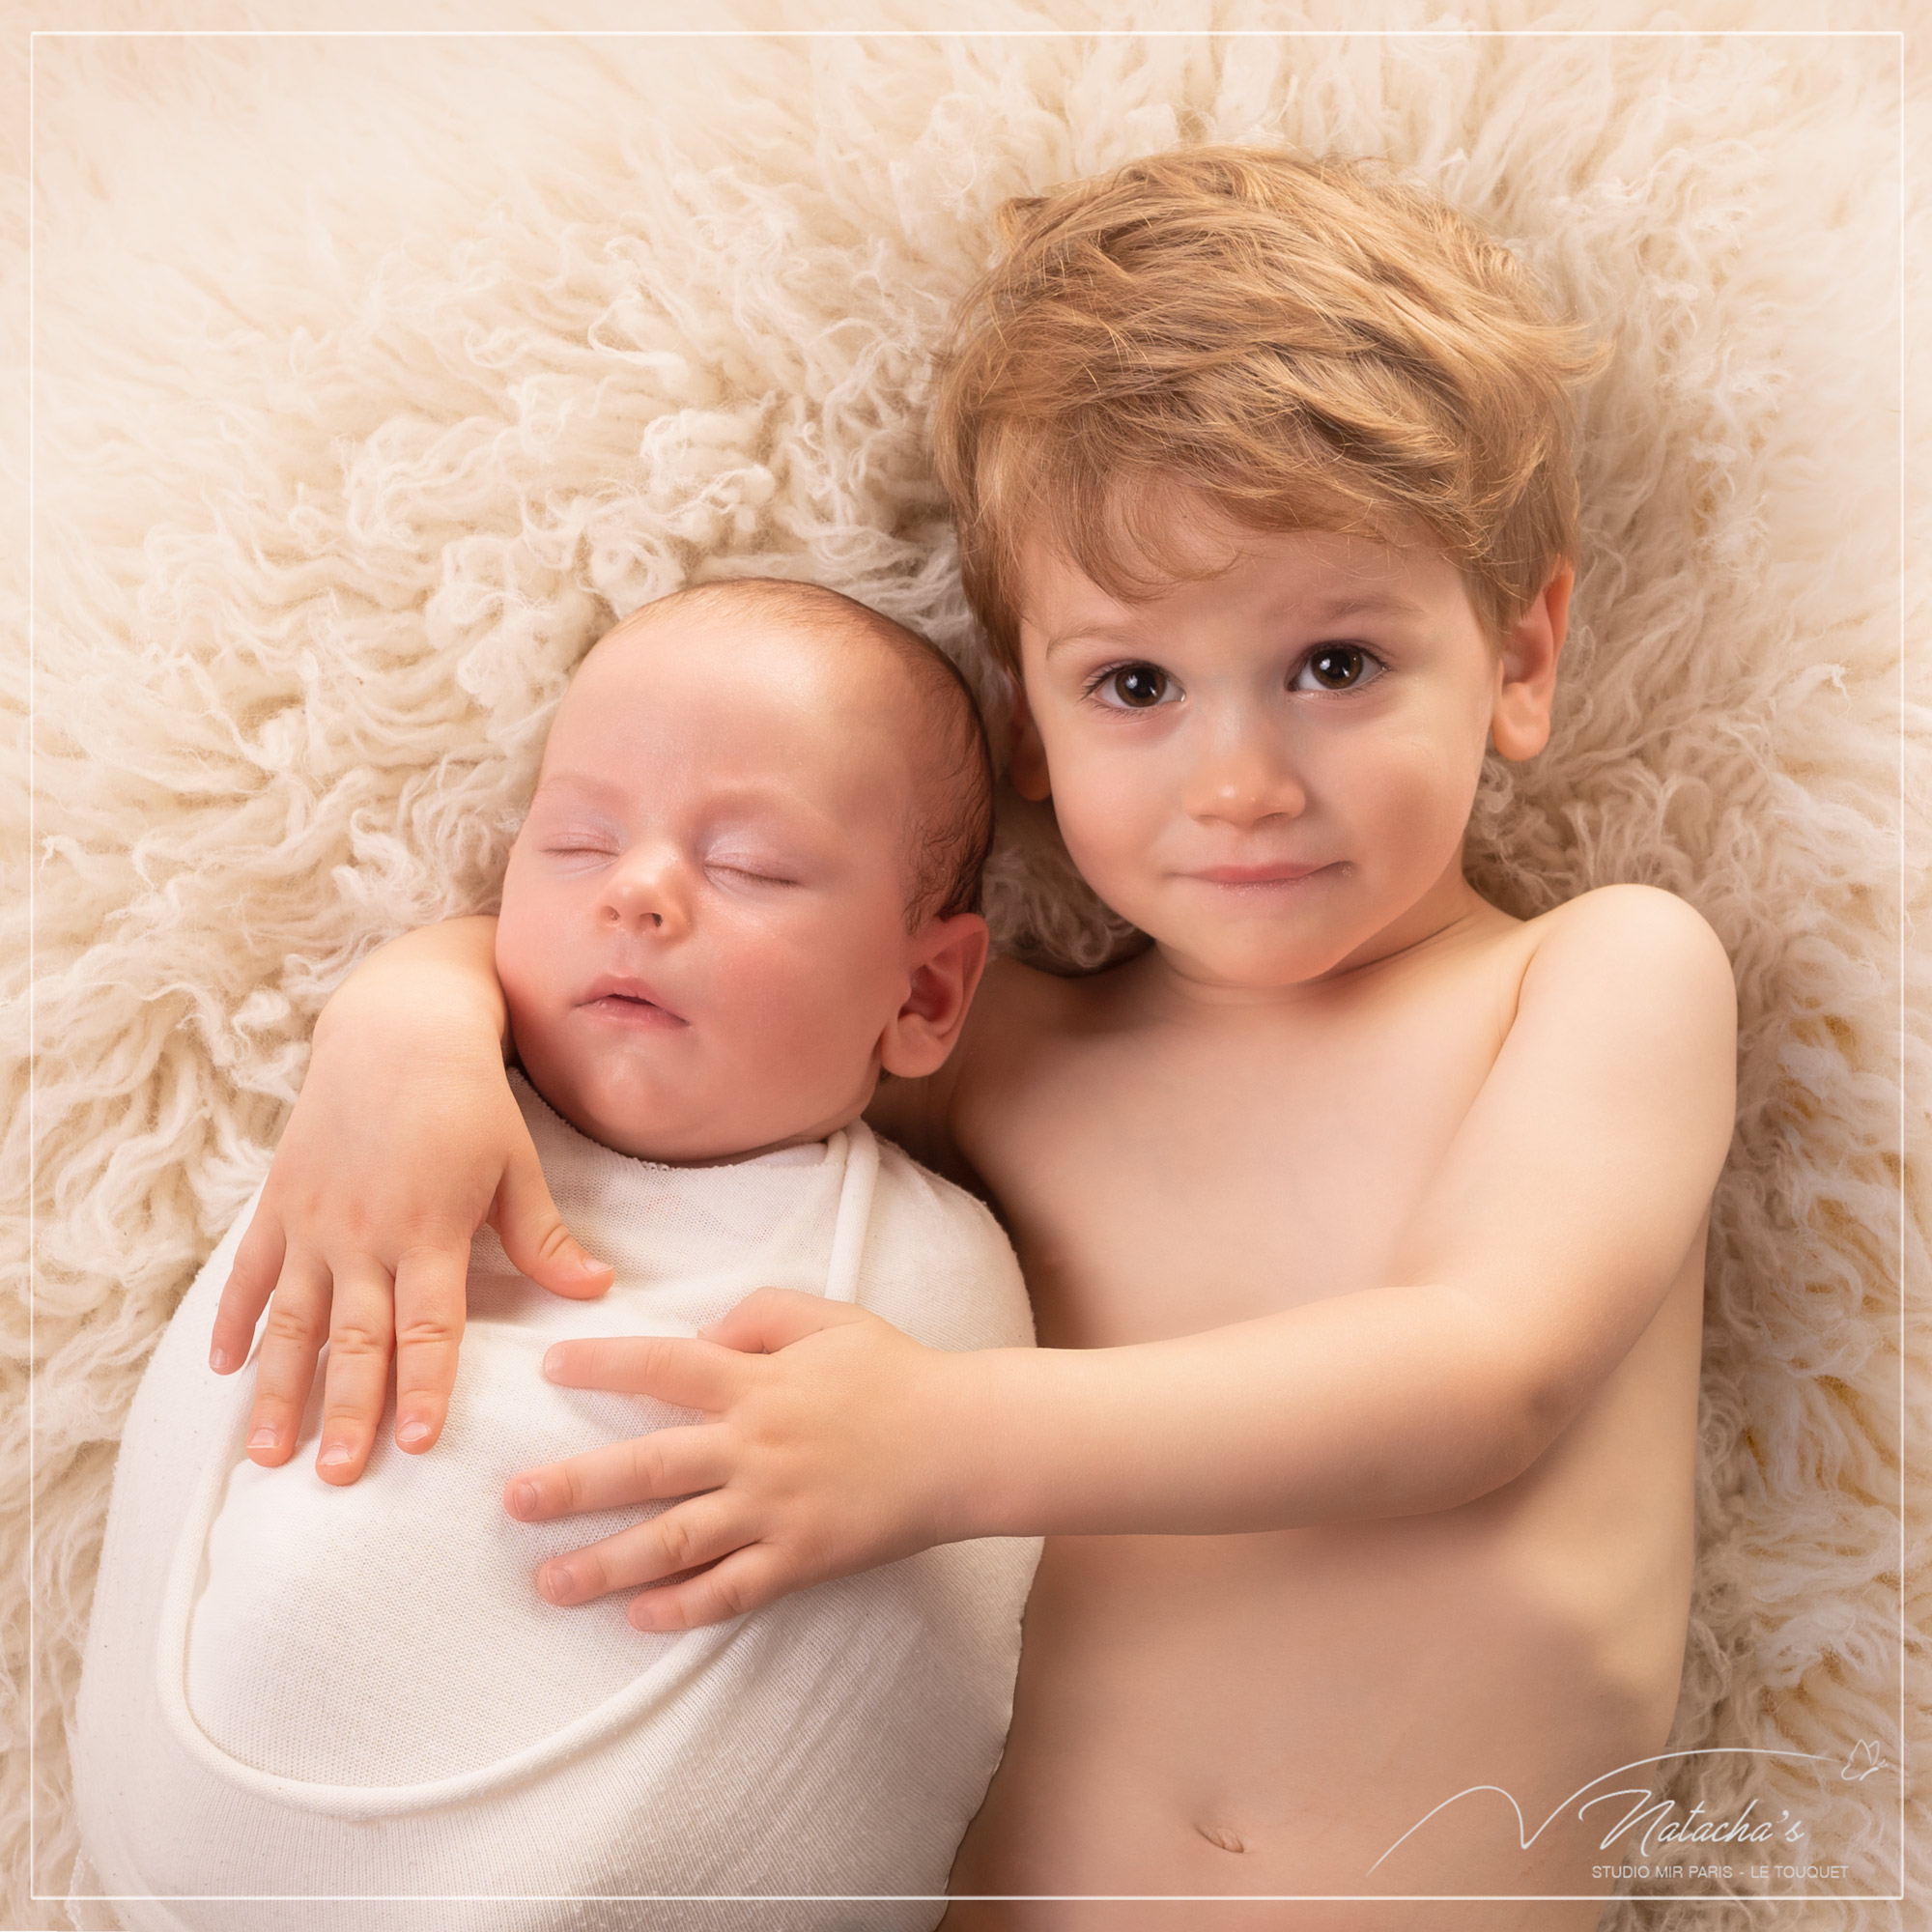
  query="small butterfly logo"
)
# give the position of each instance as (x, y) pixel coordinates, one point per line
(1865, 1759)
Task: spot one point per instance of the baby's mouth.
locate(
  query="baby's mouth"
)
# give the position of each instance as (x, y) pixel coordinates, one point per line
(628, 1003)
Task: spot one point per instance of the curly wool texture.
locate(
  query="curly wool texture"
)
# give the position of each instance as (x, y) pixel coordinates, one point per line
(376, 376)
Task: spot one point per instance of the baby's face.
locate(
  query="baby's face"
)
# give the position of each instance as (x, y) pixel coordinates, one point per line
(1271, 769)
(703, 926)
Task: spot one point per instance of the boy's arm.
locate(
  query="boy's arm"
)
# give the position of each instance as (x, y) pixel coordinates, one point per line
(1566, 1206)
(405, 1138)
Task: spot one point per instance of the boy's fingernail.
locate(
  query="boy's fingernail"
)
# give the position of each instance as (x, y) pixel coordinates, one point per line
(263, 1439)
(220, 1360)
(552, 1361)
(556, 1582)
(335, 1455)
(414, 1429)
(523, 1498)
(642, 1612)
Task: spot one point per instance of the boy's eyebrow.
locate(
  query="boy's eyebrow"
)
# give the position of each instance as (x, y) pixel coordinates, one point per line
(1318, 610)
(1363, 602)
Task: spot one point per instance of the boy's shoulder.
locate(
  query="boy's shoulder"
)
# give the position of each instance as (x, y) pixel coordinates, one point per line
(1640, 932)
(1631, 970)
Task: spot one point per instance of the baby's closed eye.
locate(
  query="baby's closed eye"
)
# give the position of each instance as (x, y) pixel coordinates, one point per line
(754, 868)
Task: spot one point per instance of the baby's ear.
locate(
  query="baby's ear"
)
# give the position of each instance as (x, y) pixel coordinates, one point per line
(947, 957)
(1519, 724)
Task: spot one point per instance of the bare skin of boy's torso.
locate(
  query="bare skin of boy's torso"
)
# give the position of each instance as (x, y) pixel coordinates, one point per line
(1270, 1712)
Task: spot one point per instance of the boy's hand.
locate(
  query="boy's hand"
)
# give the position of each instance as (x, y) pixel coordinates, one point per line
(831, 1442)
(405, 1140)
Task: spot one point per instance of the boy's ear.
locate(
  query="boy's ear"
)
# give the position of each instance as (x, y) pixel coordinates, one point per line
(1027, 763)
(1519, 724)
(947, 958)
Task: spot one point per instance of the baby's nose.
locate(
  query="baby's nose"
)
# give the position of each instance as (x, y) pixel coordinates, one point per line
(648, 896)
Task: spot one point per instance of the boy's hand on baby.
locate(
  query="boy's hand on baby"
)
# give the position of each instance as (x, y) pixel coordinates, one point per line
(817, 1459)
(391, 1162)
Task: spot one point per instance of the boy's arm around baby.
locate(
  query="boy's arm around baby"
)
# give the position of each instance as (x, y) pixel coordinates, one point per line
(371, 1254)
(1567, 1204)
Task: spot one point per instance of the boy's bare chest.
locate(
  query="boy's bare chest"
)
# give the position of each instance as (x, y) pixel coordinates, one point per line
(1164, 1181)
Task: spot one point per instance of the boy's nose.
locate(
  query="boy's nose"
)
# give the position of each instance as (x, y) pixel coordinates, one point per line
(1242, 776)
(646, 892)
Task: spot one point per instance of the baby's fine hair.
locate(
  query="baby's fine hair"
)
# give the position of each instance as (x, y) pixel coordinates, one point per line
(951, 830)
(1306, 345)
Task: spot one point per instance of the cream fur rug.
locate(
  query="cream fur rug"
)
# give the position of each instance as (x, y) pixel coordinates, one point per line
(376, 374)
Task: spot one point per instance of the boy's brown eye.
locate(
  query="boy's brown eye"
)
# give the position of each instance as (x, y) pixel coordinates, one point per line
(1139, 685)
(1338, 667)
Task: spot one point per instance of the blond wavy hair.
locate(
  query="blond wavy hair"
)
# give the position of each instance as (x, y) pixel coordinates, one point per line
(1302, 344)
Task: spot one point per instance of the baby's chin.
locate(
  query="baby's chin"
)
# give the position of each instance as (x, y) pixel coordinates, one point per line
(667, 1130)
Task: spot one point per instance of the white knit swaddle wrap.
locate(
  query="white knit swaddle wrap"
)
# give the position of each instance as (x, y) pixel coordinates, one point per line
(300, 1691)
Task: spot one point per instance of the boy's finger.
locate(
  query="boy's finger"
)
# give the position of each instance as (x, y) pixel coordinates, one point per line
(251, 1281)
(361, 1339)
(534, 1237)
(648, 1468)
(693, 1374)
(771, 1318)
(747, 1580)
(432, 1299)
(693, 1533)
(292, 1338)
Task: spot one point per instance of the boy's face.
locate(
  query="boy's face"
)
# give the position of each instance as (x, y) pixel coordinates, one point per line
(1271, 769)
(703, 924)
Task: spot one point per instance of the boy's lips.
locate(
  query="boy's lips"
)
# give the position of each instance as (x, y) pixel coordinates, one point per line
(630, 1003)
(1280, 873)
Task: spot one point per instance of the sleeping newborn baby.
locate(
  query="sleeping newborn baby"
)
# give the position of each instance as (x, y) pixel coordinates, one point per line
(754, 801)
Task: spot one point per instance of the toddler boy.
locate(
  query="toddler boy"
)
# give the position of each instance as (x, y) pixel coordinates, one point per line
(1364, 1223)
(744, 887)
